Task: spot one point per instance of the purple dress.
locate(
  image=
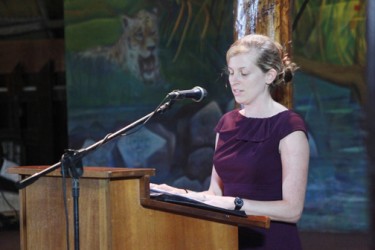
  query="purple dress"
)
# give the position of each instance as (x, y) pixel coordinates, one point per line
(247, 159)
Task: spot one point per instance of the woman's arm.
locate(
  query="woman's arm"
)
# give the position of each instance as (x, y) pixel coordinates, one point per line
(294, 150)
(214, 190)
(216, 187)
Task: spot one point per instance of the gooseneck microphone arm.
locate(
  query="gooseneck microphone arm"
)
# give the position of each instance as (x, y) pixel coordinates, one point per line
(71, 157)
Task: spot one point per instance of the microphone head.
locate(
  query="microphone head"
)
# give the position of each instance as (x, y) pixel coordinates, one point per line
(197, 94)
(202, 93)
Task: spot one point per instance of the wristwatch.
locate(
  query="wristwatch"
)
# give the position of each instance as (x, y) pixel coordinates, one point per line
(238, 202)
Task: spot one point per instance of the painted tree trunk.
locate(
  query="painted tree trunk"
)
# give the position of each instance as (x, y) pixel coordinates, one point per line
(267, 17)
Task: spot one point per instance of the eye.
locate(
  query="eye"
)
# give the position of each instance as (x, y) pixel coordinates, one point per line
(244, 73)
(152, 32)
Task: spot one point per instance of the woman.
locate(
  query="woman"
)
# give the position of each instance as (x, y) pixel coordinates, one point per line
(262, 153)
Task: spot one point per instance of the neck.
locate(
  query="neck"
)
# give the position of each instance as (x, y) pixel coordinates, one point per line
(266, 109)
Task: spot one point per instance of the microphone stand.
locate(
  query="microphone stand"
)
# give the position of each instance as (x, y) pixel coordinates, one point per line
(71, 163)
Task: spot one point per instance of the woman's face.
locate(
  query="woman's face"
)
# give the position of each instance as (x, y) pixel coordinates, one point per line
(247, 80)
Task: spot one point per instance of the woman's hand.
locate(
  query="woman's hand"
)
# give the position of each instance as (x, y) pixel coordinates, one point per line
(224, 202)
(167, 188)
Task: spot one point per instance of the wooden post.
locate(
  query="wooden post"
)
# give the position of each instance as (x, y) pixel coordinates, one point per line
(271, 18)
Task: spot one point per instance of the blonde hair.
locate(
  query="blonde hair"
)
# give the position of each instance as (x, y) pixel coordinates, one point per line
(271, 55)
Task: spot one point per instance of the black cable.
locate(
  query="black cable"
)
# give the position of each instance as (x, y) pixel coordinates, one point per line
(143, 124)
(105, 139)
(65, 207)
(299, 14)
(9, 204)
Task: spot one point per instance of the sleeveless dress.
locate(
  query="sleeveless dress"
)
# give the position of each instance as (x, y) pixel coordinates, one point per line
(248, 162)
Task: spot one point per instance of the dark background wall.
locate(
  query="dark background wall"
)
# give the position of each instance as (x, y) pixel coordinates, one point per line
(33, 126)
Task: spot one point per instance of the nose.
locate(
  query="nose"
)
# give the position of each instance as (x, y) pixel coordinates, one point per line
(233, 79)
(151, 48)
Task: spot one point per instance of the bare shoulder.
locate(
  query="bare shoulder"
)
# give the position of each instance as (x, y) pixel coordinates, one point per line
(294, 142)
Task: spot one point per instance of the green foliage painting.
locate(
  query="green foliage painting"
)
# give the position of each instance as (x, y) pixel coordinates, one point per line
(123, 58)
(329, 92)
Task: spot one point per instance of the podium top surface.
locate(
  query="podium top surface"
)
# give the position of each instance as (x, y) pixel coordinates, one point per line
(89, 172)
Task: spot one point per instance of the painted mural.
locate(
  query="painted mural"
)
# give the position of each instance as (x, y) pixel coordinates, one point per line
(329, 91)
(124, 57)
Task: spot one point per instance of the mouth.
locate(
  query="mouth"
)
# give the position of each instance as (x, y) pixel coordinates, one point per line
(236, 91)
(148, 67)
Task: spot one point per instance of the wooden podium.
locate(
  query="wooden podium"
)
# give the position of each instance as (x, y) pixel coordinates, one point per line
(116, 213)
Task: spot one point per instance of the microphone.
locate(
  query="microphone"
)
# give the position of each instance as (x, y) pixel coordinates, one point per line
(197, 94)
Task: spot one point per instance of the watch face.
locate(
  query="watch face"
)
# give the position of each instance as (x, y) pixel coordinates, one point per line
(238, 202)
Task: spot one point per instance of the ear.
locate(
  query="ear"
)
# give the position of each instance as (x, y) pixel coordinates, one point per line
(125, 21)
(270, 76)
